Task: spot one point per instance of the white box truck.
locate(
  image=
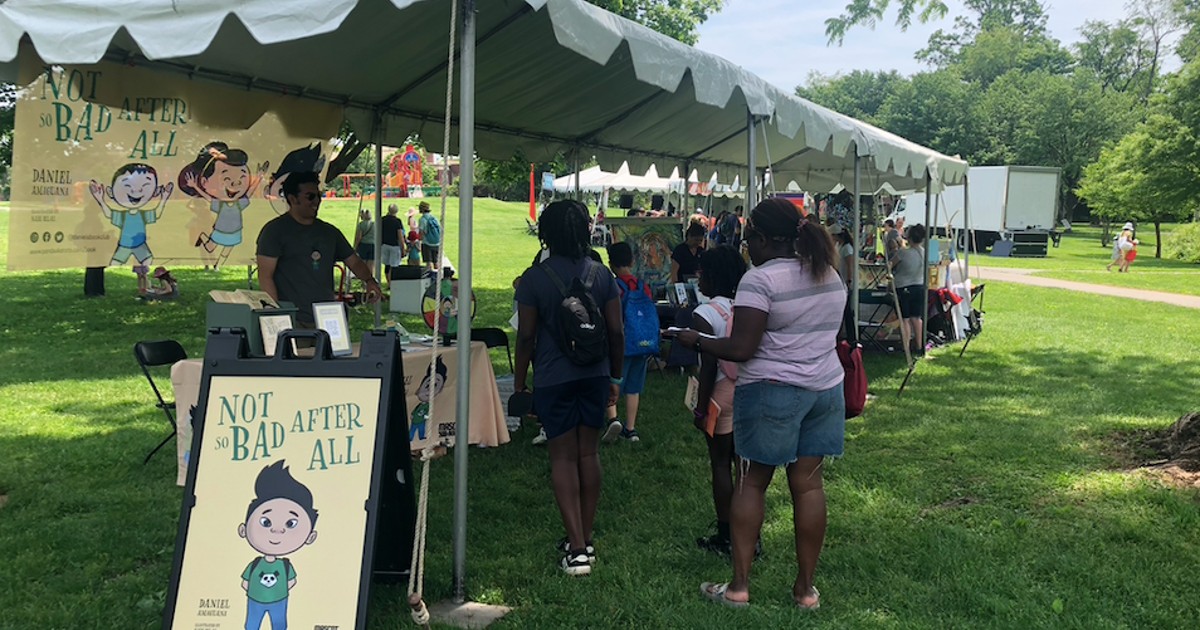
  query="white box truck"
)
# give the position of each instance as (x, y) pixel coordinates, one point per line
(1018, 203)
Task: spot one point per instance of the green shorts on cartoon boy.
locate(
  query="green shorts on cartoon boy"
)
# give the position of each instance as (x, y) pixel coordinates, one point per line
(134, 187)
(221, 176)
(279, 522)
(430, 386)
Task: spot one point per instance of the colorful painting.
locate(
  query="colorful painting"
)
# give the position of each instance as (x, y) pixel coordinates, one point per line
(652, 241)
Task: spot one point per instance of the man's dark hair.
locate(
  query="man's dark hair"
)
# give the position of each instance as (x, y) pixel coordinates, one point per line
(916, 234)
(275, 482)
(291, 185)
(890, 223)
(564, 229)
(135, 167)
(695, 229)
(721, 269)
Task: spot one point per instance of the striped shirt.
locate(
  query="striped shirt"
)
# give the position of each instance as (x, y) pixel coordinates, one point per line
(803, 318)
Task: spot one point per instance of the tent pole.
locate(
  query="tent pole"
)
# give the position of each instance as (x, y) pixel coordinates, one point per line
(378, 211)
(752, 170)
(966, 229)
(857, 245)
(466, 185)
(575, 164)
(925, 266)
(686, 198)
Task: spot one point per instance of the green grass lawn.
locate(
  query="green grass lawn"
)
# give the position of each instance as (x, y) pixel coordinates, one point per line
(1081, 258)
(990, 495)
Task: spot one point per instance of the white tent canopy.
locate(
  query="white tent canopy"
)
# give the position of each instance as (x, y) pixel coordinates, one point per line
(553, 75)
(594, 180)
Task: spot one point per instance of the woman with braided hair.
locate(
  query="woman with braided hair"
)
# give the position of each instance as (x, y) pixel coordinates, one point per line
(570, 398)
(788, 406)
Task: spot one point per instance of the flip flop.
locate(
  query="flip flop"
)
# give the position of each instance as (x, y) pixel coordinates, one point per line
(813, 606)
(716, 593)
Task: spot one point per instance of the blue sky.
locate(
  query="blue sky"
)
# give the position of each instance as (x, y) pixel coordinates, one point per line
(783, 40)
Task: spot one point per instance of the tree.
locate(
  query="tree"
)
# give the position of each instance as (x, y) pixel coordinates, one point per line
(8, 101)
(1114, 52)
(1147, 176)
(678, 19)
(1027, 16)
(859, 94)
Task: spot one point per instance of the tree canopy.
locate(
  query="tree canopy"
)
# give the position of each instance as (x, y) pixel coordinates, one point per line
(1001, 90)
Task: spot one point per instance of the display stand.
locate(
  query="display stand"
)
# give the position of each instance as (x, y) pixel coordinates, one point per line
(297, 466)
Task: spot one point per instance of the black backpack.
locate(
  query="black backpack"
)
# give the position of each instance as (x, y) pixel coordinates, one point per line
(582, 334)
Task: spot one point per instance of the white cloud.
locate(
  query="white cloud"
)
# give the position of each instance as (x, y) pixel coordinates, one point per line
(784, 40)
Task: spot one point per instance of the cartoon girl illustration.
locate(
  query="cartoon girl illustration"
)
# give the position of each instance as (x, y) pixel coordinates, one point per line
(303, 160)
(221, 176)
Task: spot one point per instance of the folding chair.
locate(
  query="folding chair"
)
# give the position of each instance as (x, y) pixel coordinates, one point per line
(531, 228)
(875, 307)
(157, 354)
(493, 338)
(974, 317)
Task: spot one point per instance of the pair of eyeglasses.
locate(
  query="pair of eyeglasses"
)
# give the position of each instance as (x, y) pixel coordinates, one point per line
(312, 196)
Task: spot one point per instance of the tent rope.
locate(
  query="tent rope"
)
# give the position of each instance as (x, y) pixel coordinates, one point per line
(416, 575)
(767, 150)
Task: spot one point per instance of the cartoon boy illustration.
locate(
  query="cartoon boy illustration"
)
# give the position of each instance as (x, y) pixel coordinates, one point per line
(133, 187)
(279, 521)
(303, 160)
(221, 176)
(430, 386)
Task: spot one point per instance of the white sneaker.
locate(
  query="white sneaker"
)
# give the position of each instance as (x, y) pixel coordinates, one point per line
(575, 565)
(613, 431)
(540, 438)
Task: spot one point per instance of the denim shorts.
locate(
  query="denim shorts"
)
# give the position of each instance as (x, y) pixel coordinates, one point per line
(776, 423)
(634, 373)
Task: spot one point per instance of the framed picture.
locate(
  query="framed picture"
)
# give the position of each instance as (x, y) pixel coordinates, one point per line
(271, 326)
(331, 317)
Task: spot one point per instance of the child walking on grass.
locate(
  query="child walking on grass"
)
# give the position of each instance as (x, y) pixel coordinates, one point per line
(641, 337)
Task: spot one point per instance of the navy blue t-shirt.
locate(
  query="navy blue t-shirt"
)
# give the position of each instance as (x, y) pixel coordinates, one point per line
(550, 365)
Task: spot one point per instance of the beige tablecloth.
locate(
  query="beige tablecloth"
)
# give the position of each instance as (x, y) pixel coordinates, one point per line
(487, 412)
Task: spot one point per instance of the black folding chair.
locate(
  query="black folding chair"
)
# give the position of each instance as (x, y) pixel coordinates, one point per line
(875, 307)
(493, 338)
(157, 354)
(974, 317)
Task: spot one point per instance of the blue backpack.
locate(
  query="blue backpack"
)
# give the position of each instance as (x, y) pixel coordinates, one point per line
(431, 230)
(642, 333)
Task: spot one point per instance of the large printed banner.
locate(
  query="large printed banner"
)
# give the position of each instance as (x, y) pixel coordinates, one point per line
(117, 165)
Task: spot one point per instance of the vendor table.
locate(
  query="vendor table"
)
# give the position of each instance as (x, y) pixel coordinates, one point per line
(487, 428)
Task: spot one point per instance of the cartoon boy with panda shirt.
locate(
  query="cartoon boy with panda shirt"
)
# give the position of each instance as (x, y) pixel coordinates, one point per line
(279, 522)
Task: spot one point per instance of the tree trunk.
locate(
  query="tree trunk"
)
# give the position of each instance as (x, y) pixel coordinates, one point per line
(1157, 239)
(1105, 234)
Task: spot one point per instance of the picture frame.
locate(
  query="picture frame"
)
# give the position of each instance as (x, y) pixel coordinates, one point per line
(331, 317)
(271, 326)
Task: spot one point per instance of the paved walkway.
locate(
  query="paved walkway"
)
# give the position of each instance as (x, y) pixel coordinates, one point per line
(1023, 276)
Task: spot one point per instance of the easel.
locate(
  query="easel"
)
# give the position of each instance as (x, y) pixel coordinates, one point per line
(298, 416)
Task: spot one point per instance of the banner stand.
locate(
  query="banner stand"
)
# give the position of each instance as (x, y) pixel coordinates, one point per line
(299, 491)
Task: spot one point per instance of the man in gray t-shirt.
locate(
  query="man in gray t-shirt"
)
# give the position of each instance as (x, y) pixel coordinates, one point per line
(297, 252)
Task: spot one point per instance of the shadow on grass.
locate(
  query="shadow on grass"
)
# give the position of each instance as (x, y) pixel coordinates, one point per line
(54, 333)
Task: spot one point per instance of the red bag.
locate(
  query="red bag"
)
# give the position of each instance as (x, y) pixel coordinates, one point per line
(855, 385)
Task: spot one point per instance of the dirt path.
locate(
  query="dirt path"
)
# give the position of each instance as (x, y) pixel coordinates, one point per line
(1023, 276)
